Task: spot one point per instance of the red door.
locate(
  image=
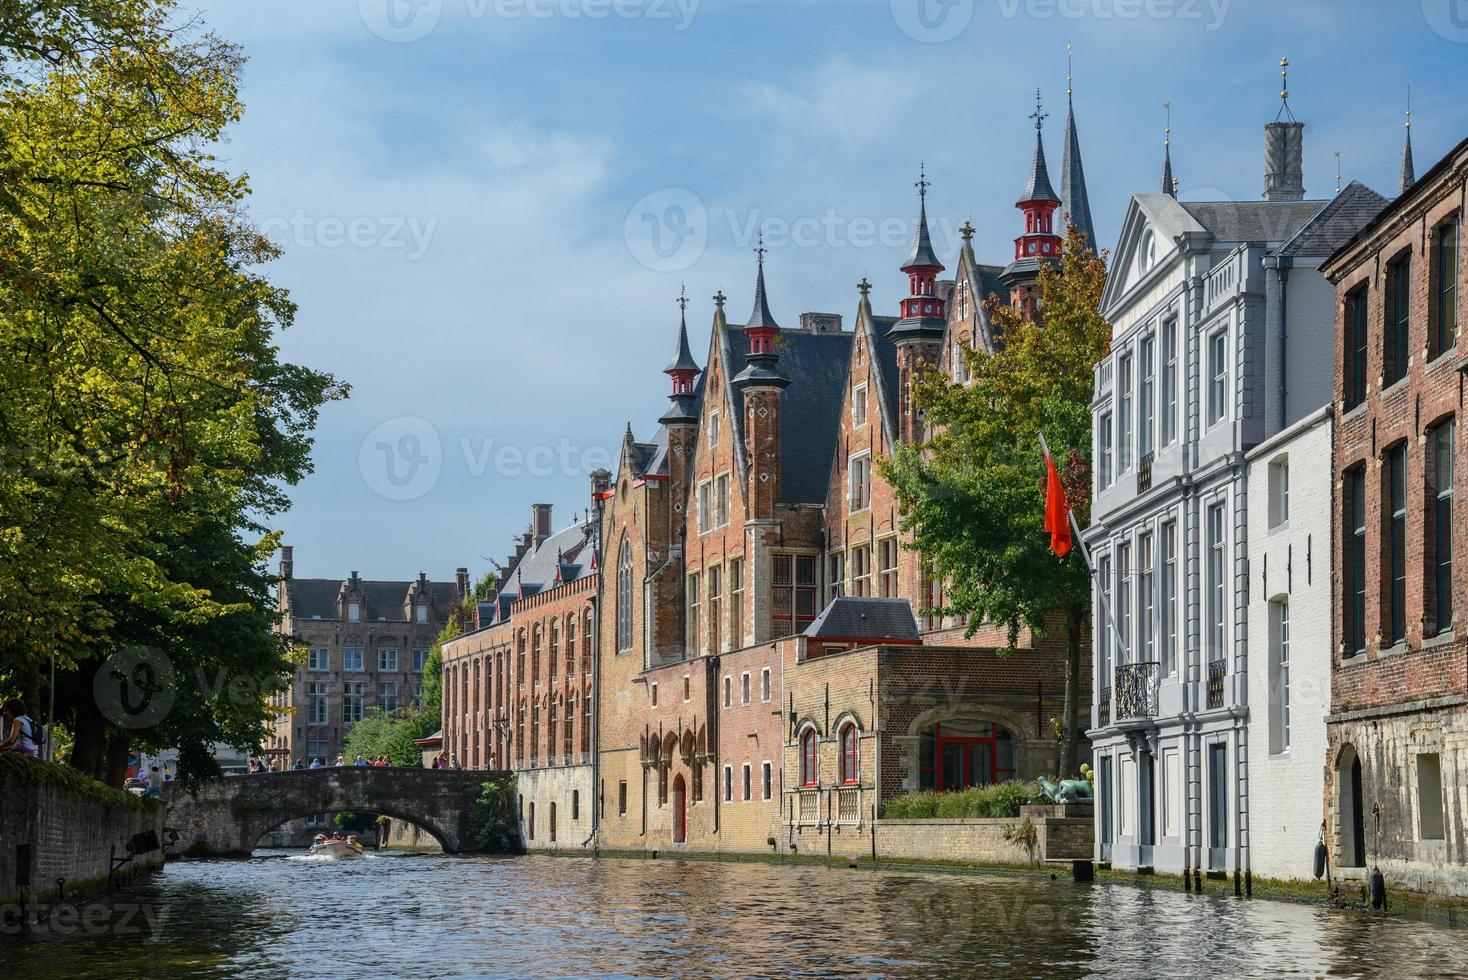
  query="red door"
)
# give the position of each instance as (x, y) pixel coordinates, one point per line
(680, 811)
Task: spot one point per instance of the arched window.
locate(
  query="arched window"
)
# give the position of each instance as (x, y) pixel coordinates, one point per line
(810, 771)
(520, 657)
(624, 597)
(535, 655)
(850, 771)
(962, 752)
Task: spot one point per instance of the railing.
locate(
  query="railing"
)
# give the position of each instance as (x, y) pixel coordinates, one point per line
(1136, 690)
(848, 804)
(1216, 670)
(1144, 473)
(1222, 282)
(1103, 708)
(809, 807)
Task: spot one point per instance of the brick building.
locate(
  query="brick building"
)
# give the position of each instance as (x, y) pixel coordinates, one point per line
(1398, 728)
(367, 643)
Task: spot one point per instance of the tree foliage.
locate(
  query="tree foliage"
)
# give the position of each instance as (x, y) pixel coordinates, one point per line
(392, 735)
(148, 428)
(972, 495)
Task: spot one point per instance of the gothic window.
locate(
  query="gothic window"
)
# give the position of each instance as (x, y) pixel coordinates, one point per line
(850, 748)
(624, 597)
(810, 772)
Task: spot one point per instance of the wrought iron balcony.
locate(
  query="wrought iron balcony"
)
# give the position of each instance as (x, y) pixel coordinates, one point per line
(1216, 670)
(1144, 473)
(1103, 708)
(1136, 690)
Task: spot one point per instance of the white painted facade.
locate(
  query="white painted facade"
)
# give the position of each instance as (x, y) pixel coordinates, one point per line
(1289, 506)
(554, 807)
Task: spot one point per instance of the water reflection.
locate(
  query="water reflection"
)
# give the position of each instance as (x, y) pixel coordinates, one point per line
(425, 916)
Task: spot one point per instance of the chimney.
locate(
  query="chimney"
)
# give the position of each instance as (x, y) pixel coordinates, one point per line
(287, 561)
(461, 579)
(1284, 168)
(540, 521)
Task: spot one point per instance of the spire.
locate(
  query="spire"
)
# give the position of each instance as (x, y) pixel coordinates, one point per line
(1167, 181)
(1075, 203)
(683, 369)
(682, 361)
(922, 245)
(761, 317)
(1038, 188)
(1409, 176)
(1284, 148)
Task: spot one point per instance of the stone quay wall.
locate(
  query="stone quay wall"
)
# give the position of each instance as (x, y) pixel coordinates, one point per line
(55, 824)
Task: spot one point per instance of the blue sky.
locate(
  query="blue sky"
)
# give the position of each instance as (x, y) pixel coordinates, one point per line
(488, 207)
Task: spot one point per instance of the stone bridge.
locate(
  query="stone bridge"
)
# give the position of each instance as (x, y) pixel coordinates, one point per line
(226, 817)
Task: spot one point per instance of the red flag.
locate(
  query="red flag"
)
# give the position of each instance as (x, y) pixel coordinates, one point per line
(1057, 511)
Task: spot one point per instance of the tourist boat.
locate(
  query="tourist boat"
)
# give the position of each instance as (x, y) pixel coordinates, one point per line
(336, 848)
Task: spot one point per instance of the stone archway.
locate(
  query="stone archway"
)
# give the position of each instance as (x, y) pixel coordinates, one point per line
(1350, 808)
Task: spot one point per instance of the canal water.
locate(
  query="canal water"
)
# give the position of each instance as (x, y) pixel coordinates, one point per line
(282, 914)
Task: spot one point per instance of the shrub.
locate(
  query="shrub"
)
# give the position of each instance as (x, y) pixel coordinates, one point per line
(996, 800)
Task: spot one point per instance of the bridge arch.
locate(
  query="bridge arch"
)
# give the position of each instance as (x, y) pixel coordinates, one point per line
(428, 826)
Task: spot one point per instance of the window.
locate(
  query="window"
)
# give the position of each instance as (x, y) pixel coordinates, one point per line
(963, 752)
(554, 661)
(1124, 413)
(1103, 451)
(535, 655)
(318, 659)
(387, 696)
(744, 688)
(736, 602)
(1279, 491)
(316, 749)
(575, 804)
(705, 506)
(850, 741)
(693, 621)
(1217, 583)
(764, 684)
(352, 702)
(419, 660)
(767, 781)
(415, 694)
(1169, 381)
(624, 597)
(621, 797)
(553, 727)
(387, 660)
(837, 565)
(1168, 604)
(887, 567)
(810, 773)
(1354, 580)
(1217, 377)
(1356, 342)
(354, 611)
(352, 658)
(1439, 537)
(1429, 796)
(687, 687)
(859, 406)
(1279, 676)
(420, 612)
(746, 785)
(1397, 320)
(728, 691)
(728, 784)
(721, 500)
(1146, 600)
(793, 594)
(1105, 617)
(713, 428)
(860, 474)
(1124, 602)
(715, 599)
(861, 570)
(316, 704)
(1445, 286)
(653, 693)
(530, 826)
(1395, 561)
(1146, 382)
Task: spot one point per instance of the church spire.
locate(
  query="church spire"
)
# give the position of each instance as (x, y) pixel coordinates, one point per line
(922, 245)
(759, 369)
(922, 310)
(1168, 184)
(761, 316)
(1409, 176)
(683, 369)
(1038, 187)
(1075, 203)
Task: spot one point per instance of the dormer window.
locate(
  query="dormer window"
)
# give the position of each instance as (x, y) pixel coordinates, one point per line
(420, 612)
(354, 611)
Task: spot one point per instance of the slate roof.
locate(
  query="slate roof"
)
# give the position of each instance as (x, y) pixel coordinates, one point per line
(1333, 225)
(810, 409)
(1074, 200)
(885, 361)
(866, 618)
(315, 598)
(683, 357)
(1038, 187)
(1252, 221)
(922, 245)
(570, 551)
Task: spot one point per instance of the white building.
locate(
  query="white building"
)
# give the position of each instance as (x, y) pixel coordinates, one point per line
(1289, 615)
(1222, 332)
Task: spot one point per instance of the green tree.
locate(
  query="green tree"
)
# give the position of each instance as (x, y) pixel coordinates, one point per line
(380, 733)
(973, 495)
(148, 428)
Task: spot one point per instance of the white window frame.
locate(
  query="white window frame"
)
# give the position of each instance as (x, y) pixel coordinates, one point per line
(351, 655)
(764, 685)
(319, 663)
(859, 492)
(387, 659)
(1218, 380)
(859, 405)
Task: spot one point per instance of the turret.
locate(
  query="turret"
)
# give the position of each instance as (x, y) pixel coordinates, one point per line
(918, 336)
(684, 371)
(1039, 244)
(762, 383)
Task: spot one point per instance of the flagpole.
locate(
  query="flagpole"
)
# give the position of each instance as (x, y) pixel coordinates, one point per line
(1075, 529)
